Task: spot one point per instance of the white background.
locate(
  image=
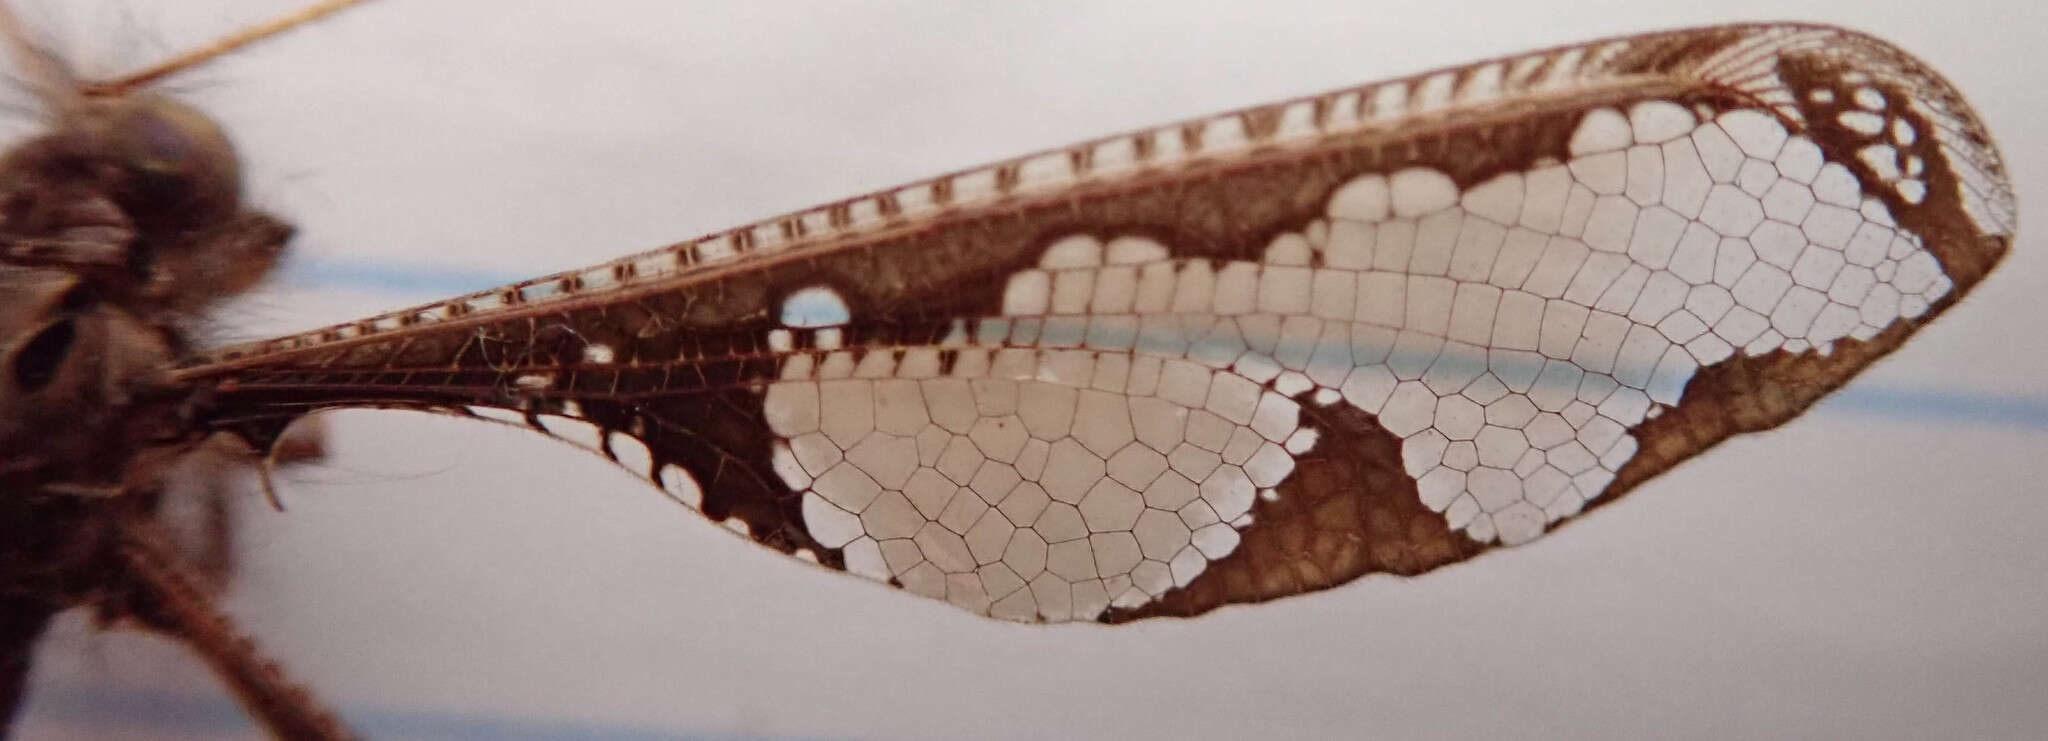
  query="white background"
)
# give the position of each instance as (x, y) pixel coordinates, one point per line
(1875, 569)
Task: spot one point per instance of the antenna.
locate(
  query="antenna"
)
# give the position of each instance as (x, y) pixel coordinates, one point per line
(46, 75)
(225, 45)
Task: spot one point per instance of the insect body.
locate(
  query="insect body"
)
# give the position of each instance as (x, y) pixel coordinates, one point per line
(1379, 330)
(116, 229)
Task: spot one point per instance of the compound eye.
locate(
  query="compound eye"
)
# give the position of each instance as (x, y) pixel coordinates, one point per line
(162, 146)
(179, 159)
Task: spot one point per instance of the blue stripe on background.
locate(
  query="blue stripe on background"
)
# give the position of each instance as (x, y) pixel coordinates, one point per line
(359, 275)
(2014, 410)
(1961, 407)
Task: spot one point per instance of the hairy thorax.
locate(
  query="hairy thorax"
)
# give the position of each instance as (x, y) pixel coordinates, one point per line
(116, 228)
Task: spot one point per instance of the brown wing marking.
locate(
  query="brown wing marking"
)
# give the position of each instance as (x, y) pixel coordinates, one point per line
(682, 351)
(1348, 510)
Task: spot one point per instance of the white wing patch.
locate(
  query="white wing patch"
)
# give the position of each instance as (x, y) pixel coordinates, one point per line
(1103, 440)
(1030, 483)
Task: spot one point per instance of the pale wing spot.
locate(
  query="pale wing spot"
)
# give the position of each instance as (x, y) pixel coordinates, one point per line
(814, 307)
(1835, 185)
(1913, 191)
(864, 558)
(1800, 160)
(630, 454)
(1510, 335)
(1029, 293)
(1658, 121)
(1135, 251)
(1078, 251)
(1601, 130)
(1862, 122)
(1289, 249)
(1110, 500)
(1903, 133)
(679, 484)
(496, 414)
(1498, 200)
(1365, 199)
(1759, 134)
(575, 431)
(1417, 191)
(831, 526)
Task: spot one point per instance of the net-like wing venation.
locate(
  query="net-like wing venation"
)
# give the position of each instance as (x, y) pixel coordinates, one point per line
(1833, 196)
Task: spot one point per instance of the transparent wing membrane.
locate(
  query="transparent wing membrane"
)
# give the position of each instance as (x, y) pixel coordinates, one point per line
(1248, 356)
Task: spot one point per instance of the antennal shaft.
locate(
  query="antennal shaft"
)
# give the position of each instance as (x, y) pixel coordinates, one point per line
(225, 45)
(45, 74)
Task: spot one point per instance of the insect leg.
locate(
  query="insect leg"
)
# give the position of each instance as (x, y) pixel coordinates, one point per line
(22, 621)
(175, 595)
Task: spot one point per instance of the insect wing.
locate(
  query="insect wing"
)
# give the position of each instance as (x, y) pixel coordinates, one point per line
(1248, 356)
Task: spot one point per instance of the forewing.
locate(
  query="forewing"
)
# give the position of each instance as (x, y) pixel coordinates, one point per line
(1263, 353)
